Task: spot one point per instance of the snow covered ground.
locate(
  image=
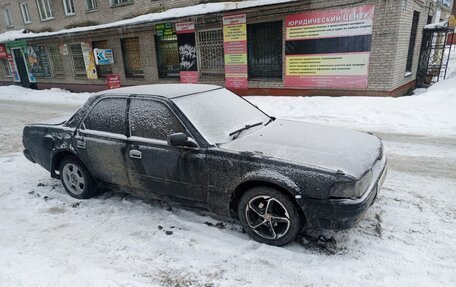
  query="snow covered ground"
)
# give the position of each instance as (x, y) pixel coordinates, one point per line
(407, 238)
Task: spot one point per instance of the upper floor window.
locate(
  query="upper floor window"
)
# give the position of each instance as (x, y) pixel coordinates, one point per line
(119, 2)
(45, 9)
(68, 6)
(91, 5)
(25, 13)
(8, 20)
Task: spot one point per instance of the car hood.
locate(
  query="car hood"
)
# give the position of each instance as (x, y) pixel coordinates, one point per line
(312, 145)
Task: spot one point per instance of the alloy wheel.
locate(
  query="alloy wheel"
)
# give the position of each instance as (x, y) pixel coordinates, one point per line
(74, 178)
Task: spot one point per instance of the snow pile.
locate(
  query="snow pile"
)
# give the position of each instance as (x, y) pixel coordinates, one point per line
(56, 96)
(149, 18)
(430, 111)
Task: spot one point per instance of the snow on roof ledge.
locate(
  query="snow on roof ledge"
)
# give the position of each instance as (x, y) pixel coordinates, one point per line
(148, 18)
(439, 25)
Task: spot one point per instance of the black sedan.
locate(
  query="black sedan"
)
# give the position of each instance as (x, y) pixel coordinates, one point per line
(203, 146)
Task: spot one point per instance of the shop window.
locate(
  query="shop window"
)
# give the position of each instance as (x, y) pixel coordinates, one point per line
(7, 17)
(210, 48)
(68, 6)
(45, 9)
(91, 5)
(131, 53)
(102, 70)
(167, 56)
(77, 59)
(265, 50)
(5, 68)
(25, 13)
(119, 2)
(39, 61)
(411, 49)
(56, 59)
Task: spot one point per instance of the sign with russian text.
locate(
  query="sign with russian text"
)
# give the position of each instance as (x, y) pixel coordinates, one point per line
(14, 72)
(329, 49)
(235, 47)
(164, 29)
(188, 58)
(113, 81)
(3, 52)
(89, 60)
(38, 61)
(103, 56)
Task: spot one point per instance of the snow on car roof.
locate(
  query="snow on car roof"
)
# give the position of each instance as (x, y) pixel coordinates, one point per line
(164, 90)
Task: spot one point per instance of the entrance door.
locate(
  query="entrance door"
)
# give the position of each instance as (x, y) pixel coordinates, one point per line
(21, 68)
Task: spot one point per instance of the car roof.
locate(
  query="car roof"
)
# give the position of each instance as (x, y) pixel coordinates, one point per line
(163, 90)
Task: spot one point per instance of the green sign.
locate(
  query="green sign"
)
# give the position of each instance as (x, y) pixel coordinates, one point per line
(164, 29)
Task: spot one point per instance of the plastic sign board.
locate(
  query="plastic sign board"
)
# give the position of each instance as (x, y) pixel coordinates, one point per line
(103, 56)
(235, 47)
(329, 48)
(113, 81)
(164, 29)
(3, 52)
(188, 56)
(89, 60)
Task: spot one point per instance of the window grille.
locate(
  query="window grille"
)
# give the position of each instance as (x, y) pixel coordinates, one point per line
(56, 59)
(102, 70)
(78, 59)
(210, 53)
(265, 50)
(131, 52)
(411, 49)
(167, 56)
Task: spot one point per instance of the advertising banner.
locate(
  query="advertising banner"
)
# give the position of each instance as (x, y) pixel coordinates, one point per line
(89, 60)
(14, 73)
(3, 52)
(103, 56)
(164, 29)
(235, 47)
(329, 49)
(38, 61)
(188, 58)
(113, 81)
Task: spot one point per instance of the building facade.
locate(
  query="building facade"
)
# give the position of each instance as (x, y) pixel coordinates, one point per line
(310, 47)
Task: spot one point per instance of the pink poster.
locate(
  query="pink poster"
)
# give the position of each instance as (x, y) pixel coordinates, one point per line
(235, 47)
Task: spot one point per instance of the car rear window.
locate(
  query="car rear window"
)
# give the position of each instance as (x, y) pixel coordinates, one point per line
(108, 115)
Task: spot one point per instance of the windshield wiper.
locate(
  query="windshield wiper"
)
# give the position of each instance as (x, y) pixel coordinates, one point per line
(271, 119)
(237, 132)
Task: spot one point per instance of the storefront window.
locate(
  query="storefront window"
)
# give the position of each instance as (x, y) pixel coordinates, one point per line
(131, 52)
(38, 61)
(77, 58)
(5, 68)
(167, 56)
(265, 50)
(210, 45)
(56, 59)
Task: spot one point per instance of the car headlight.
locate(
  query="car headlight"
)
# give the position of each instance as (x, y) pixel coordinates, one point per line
(351, 189)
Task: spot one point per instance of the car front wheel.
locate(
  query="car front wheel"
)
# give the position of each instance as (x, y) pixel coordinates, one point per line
(76, 179)
(269, 216)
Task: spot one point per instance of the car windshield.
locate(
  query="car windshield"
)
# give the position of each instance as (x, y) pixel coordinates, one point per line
(218, 113)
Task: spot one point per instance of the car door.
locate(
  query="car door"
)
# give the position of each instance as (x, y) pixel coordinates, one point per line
(153, 164)
(100, 140)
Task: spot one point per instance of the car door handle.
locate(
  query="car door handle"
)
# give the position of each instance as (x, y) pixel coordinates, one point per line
(135, 154)
(81, 144)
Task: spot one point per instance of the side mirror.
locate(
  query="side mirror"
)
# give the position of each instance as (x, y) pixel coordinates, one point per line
(181, 139)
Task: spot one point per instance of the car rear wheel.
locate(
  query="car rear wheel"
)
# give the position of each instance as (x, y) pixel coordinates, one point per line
(76, 179)
(269, 216)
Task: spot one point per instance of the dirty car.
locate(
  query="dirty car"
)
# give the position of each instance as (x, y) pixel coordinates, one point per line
(203, 146)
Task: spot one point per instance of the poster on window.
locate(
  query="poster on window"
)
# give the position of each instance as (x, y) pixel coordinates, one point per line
(188, 59)
(89, 60)
(38, 61)
(103, 56)
(14, 73)
(235, 48)
(329, 49)
(3, 52)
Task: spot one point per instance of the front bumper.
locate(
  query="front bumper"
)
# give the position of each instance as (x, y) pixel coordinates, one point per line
(344, 213)
(28, 155)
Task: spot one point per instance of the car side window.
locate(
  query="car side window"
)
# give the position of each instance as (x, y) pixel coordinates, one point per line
(153, 120)
(108, 115)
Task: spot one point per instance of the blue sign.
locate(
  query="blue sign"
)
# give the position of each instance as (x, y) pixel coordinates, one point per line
(103, 56)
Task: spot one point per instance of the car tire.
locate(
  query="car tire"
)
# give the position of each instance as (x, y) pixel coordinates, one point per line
(269, 216)
(76, 179)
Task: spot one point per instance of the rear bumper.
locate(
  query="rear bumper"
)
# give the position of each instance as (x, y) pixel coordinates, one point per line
(345, 213)
(28, 155)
